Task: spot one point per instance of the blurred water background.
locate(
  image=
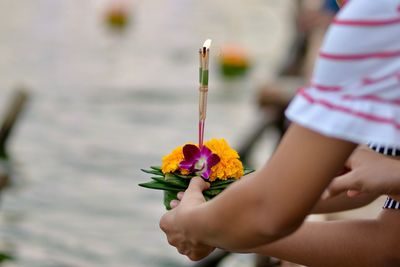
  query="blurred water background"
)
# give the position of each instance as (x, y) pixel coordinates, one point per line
(106, 103)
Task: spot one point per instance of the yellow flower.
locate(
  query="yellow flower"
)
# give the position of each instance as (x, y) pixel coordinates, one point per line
(170, 162)
(234, 55)
(229, 166)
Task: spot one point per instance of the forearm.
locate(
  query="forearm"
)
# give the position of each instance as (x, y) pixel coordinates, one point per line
(233, 222)
(342, 202)
(341, 243)
(274, 201)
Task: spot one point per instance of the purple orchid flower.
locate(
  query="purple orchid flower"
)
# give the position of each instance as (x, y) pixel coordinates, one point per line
(198, 161)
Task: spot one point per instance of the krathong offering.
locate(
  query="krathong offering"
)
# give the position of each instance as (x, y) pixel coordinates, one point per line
(215, 161)
(117, 15)
(234, 61)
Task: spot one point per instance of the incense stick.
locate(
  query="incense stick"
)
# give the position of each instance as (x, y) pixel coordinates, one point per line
(203, 89)
(201, 119)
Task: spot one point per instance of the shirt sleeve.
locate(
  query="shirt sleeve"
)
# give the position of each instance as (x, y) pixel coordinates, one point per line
(355, 90)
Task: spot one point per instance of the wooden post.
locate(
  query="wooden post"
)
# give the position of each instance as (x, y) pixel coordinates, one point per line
(11, 116)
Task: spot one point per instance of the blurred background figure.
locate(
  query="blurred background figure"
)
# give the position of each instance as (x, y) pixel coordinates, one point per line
(312, 20)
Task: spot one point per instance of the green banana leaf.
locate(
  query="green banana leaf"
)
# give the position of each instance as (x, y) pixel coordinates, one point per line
(212, 192)
(247, 171)
(168, 184)
(159, 186)
(156, 168)
(168, 197)
(174, 180)
(156, 172)
(172, 183)
(222, 182)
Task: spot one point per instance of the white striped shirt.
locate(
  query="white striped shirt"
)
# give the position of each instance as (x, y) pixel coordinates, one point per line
(355, 90)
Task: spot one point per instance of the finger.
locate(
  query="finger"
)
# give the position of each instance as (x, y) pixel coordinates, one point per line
(197, 184)
(180, 195)
(354, 158)
(194, 193)
(183, 250)
(197, 254)
(343, 171)
(326, 194)
(166, 222)
(174, 203)
(339, 185)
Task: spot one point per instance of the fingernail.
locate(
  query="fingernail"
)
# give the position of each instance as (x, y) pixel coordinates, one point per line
(180, 195)
(174, 203)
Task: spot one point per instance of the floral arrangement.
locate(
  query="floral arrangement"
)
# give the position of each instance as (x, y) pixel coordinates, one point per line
(234, 61)
(215, 161)
(117, 15)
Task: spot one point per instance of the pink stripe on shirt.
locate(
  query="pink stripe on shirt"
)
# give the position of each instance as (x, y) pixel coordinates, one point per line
(373, 98)
(365, 23)
(359, 114)
(378, 55)
(368, 81)
(355, 89)
(328, 88)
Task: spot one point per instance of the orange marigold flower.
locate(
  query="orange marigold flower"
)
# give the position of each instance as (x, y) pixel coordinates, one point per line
(170, 162)
(230, 165)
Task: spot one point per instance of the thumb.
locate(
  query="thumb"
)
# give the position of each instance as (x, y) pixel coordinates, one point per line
(340, 184)
(194, 193)
(197, 184)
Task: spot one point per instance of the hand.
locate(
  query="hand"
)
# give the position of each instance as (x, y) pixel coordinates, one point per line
(370, 172)
(176, 223)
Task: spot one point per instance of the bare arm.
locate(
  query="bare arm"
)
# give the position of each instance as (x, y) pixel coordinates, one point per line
(265, 206)
(342, 243)
(343, 202)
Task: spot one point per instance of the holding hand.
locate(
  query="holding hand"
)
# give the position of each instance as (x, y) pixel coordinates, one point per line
(370, 172)
(174, 222)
